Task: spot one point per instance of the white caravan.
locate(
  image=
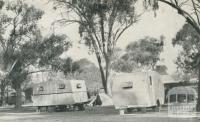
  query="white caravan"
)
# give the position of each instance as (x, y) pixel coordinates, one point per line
(137, 90)
(60, 93)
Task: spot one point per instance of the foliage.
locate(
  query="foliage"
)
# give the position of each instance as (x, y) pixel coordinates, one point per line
(88, 72)
(69, 66)
(140, 54)
(101, 24)
(144, 52)
(83, 63)
(23, 46)
(188, 39)
(161, 69)
(188, 60)
(121, 65)
(190, 10)
(82, 69)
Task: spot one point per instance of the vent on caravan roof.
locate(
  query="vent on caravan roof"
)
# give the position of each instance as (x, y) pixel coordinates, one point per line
(61, 86)
(127, 85)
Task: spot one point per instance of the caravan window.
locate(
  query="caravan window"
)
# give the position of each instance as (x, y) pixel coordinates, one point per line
(172, 98)
(41, 88)
(182, 98)
(190, 98)
(127, 85)
(78, 86)
(61, 86)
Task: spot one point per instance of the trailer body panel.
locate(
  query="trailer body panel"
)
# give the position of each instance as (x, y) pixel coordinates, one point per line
(63, 92)
(138, 89)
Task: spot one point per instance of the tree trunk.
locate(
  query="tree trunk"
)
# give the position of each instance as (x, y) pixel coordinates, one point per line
(109, 85)
(107, 77)
(198, 99)
(103, 78)
(18, 102)
(3, 100)
(182, 13)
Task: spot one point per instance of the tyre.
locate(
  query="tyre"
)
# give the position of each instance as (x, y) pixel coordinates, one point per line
(51, 108)
(129, 110)
(61, 108)
(143, 110)
(81, 107)
(75, 107)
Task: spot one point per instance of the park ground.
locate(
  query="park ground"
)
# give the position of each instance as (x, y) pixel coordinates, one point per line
(92, 114)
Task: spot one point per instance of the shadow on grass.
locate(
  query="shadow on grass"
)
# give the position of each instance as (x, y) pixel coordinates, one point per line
(17, 110)
(108, 110)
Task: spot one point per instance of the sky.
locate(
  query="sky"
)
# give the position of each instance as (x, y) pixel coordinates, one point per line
(166, 23)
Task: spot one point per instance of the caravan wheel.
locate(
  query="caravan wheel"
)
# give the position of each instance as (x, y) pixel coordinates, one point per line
(156, 109)
(51, 108)
(143, 110)
(76, 108)
(81, 107)
(61, 108)
(129, 110)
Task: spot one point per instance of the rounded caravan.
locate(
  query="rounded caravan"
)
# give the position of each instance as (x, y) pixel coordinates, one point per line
(59, 92)
(182, 99)
(138, 90)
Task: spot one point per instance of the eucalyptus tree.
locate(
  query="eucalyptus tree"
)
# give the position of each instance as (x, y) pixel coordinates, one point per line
(145, 52)
(190, 10)
(101, 24)
(188, 60)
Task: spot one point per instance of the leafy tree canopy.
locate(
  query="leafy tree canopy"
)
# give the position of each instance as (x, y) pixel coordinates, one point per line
(87, 71)
(101, 24)
(188, 59)
(144, 52)
(22, 44)
(140, 54)
(121, 65)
